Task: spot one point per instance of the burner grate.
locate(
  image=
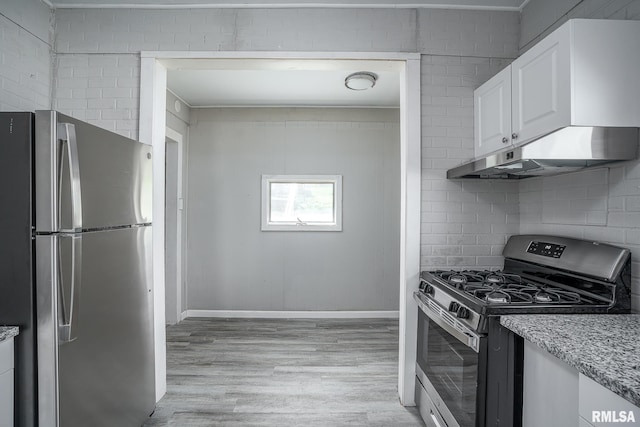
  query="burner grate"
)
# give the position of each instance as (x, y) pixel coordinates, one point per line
(496, 287)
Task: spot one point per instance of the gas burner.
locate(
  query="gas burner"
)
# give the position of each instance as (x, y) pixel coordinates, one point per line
(457, 279)
(542, 296)
(504, 295)
(494, 278)
(497, 297)
(556, 296)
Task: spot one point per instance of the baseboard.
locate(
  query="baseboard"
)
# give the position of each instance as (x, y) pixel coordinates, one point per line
(330, 314)
(184, 315)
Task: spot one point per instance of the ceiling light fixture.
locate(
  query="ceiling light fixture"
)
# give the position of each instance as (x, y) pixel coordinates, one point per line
(362, 80)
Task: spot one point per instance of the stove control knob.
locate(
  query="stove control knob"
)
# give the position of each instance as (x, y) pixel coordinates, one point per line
(454, 306)
(462, 313)
(428, 289)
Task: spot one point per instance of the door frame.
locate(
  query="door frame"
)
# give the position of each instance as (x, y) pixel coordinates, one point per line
(176, 137)
(153, 85)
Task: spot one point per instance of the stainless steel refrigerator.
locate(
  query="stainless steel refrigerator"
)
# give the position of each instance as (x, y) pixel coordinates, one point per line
(75, 271)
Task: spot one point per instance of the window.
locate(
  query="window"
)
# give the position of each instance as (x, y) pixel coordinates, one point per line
(301, 202)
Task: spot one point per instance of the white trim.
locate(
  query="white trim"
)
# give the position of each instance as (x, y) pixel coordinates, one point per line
(410, 181)
(184, 315)
(48, 3)
(208, 54)
(522, 5)
(180, 98)
(177, 137)
(173, 135)
(329, 314)
(265, 218)
(327, 5)
(410, 172)
(153, 94)
(327, 106)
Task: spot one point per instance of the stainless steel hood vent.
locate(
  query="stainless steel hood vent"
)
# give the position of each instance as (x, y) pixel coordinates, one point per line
(562, 151)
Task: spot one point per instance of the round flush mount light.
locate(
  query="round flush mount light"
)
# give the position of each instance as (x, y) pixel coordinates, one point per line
(362, 80)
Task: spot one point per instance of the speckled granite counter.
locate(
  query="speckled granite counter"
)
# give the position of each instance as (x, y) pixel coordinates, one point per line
(604, 347)
(7, 332)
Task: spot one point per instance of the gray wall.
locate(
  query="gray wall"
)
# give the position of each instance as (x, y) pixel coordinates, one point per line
(600, 204)
(179, 122)
(233, 265)
(460, 50)
(26, 37)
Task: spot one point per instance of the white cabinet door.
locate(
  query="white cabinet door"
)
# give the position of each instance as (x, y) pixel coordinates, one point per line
(550, 390)
(583, 423)
(492, 112)
(6, 383)
(6, 399)
(541, 85)
(602, 406)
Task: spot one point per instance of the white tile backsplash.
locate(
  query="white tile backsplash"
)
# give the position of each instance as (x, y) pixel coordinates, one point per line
(577, 205)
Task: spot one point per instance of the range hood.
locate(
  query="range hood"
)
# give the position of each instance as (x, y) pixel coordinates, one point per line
(565, 150)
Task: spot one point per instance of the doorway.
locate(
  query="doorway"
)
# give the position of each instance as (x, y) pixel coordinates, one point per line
(173, 280)
(152, 124)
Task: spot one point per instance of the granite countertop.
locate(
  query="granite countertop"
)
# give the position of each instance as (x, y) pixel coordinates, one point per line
(7, 332)
(604, 347)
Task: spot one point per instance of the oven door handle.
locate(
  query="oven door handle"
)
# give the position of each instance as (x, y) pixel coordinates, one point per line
(447, 322)
(434, 418)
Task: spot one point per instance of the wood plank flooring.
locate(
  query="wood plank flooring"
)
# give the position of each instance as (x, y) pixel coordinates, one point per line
(282, 372)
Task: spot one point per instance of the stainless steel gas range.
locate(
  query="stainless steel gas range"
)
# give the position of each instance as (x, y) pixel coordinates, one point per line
(469, 368)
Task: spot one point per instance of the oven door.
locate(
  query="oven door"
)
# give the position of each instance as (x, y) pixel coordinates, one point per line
(449, 369)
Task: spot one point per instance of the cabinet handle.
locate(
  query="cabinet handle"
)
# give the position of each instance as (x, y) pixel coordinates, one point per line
(514, 136)
(505, 139)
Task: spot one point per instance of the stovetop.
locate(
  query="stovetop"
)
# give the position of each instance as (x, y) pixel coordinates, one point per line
(501, 292)
(473, 296)
(541, 274)
(491, 288)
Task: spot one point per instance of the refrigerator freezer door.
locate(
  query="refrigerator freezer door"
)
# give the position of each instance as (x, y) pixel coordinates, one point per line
(17, 299)
(88, 178)
(105, 375)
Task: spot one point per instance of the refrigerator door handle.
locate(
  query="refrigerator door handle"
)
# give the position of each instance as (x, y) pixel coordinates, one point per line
(69, 289)
(67, 135)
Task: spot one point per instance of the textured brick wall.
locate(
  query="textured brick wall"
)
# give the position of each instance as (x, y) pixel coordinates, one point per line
(103, 89)
(464, 224)
(25, 56)
(600, 204)
(541, 17)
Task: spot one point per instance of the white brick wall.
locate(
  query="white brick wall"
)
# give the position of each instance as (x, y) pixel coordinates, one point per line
(468, 33)
(541, 17)
(598, 204)
(465, 224)
(25, 56)
(103, 89)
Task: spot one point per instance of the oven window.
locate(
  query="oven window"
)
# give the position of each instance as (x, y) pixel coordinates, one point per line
(452, 369)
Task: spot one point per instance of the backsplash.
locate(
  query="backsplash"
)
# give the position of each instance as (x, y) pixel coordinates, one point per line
(601, 205)
(595, 204)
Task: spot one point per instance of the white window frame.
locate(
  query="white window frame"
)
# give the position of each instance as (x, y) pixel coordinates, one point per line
(267, 225)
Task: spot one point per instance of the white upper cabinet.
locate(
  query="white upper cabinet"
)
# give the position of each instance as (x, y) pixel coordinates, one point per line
(582, 74)
(540, 78)
(492, 109)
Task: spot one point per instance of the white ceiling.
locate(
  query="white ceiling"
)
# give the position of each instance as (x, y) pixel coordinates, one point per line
(466, 4)
(281, 82)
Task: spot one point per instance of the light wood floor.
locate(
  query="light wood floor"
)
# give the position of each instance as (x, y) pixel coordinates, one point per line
(265, 372)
